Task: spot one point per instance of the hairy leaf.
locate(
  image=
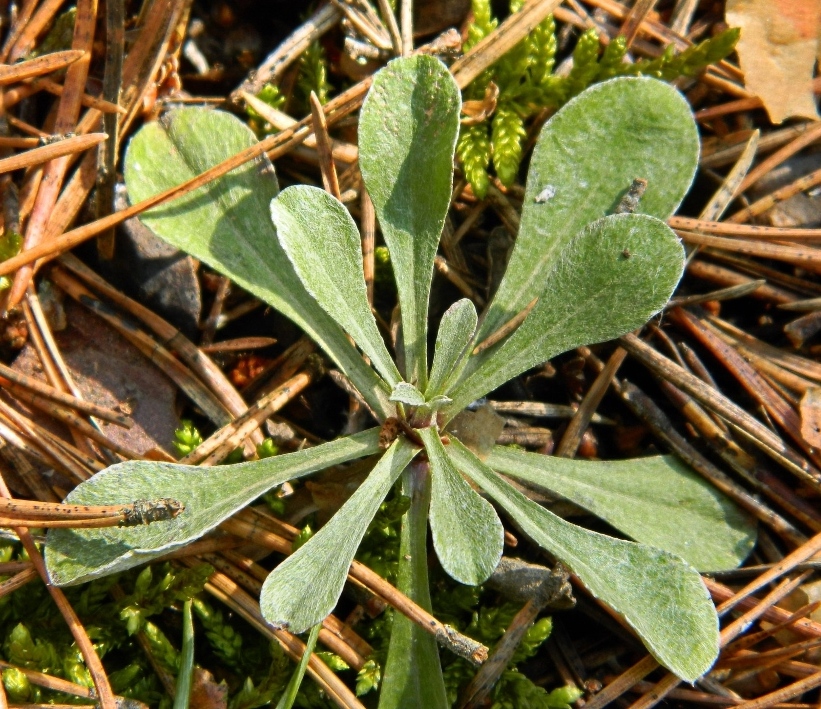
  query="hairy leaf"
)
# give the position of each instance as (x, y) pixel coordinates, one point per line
(322, 241)
(618, 272)
(467, 533)
(304, 588)
(586, 157)
(413, 674)
(455, 333)
(210, 495)
(407, 136)
(407, 394)
(657, 501)
(227, 223)
(660, 595)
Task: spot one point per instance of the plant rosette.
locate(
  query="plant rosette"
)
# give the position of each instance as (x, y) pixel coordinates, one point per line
(593, 275)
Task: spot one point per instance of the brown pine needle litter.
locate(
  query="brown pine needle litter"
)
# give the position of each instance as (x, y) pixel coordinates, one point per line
(726, 378)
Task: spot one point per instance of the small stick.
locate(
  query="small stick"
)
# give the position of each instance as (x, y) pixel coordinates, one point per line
(38, 156)
(406, 24)
(46, 64)
(728, 293)
(112, 87)
(779, 195)
(323, 145)
(25, 40)
(506, 329)
(578, 424)
(392, 26)
(368, 225)
(11, 378)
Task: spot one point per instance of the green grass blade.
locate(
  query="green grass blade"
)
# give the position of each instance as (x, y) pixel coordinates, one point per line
(185, 678)
(286, 701)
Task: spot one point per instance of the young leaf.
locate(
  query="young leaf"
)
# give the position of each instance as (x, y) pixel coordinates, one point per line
(210, 495)
(407, 394)
(586, 157)
(659, 595)
(467, 533)
(657, 501)
(227, 223)
(455, 333)
(413, 674)
(407, 136)
(322, 241)
(304, 588)
(618, 272)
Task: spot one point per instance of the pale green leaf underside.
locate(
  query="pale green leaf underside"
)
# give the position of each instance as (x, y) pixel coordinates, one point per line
(660, 595)
(467, 533)
(618, 272)
(407, 394)
(304, 588)
(210, 495)
(413, 673)
(227, 223)
(323, 244)
(657, 501)
(455, 333)
(407, 137)
(585, 159)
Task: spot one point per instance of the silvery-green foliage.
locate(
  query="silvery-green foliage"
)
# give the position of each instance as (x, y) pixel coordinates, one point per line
(593, 275)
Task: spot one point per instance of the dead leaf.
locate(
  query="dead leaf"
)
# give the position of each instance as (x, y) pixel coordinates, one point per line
(478, 430)
(206, 693)
(811, 417)
(777, 52)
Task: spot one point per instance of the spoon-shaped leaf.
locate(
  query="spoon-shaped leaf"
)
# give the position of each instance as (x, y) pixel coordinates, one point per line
(407, 394)
(413, 674)
(304, 588)
(586, 157)
(467, 533)
(618, 272)
(210, 495)
(323, 243)
(407, 137)
(455, 333)
(660, 595)
(657, 501)
(227, 223)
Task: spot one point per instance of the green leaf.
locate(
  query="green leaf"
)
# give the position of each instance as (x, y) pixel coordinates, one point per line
(659, 595)
(455, 333)
(322, 241)
(210, 495)
(413, 673)
(407, 136)
(407, 394)
(227, 223)
(657, 501)
(618, 272)
(185, 677)
(286, 701)
(304, 588)
(586, 157)
(467, 533)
